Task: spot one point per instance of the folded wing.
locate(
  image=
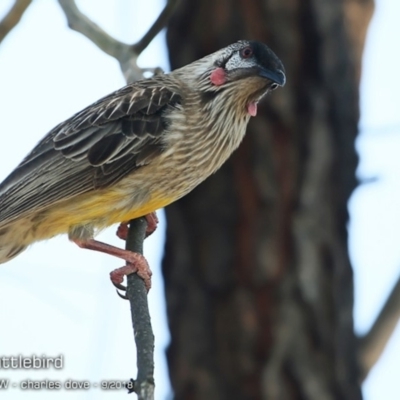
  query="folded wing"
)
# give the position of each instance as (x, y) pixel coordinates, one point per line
(94, 149)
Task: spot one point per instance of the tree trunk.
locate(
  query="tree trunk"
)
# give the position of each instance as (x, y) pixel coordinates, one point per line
(258, 280)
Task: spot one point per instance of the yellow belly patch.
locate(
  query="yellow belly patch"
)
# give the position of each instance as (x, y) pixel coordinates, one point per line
(100, 209)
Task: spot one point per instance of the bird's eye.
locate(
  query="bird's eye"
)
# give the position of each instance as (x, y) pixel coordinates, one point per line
(247, 52)
(273, 86)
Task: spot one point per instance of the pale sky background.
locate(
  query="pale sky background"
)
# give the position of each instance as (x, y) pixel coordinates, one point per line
(57, 298)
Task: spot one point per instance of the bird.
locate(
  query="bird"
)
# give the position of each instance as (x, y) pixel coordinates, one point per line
(134, 151)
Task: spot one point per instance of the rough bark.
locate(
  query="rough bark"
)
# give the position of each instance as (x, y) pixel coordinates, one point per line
(258, 280)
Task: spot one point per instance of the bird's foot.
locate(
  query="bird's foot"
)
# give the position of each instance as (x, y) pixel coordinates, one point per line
(136, 264)
(122, 230)
(152, 222)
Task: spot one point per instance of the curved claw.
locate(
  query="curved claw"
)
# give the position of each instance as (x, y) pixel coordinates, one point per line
(119, 286)
(122, 296)
(136, 263)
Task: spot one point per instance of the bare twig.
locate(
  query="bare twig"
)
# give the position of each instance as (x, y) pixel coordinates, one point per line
(159, 24)
(82, 24)
(374, 342)
(13, 17)
(136, 292)
(126, 54)
(137, 295)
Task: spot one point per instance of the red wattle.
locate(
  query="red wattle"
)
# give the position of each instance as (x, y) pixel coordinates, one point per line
(218, 77)
(252, 109)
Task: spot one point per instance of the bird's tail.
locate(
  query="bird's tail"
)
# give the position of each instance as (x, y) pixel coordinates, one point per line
(12, 240)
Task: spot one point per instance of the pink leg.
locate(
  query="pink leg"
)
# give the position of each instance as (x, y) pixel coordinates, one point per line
(152, 222)
(135, 261)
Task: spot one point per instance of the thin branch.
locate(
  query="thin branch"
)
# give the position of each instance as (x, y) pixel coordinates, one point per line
(126, 54)
(158, 25)
(136, 291)
(10, 21)
(374, 342)
(82, 24)
(137, 295)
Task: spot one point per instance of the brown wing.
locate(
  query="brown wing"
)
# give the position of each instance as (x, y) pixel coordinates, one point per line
(95, 148)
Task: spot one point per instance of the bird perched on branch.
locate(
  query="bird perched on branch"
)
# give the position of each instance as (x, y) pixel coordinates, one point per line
(134, 151)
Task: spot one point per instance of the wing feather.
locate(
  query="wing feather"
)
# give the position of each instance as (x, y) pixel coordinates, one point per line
(93, 149)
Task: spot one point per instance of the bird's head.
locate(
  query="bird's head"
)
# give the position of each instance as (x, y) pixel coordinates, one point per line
(244, 72)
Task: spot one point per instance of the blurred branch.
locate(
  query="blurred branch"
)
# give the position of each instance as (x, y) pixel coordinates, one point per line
(123, 52)
(158, 25)
(12, 18)
(143, 333)
(82, 24)
(126, 54)
(374, 342)
(136, 291)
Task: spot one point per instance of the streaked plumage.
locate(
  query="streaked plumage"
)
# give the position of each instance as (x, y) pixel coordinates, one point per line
(136, 150)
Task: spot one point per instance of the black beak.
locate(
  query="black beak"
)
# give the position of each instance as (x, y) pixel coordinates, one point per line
(276, 76)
